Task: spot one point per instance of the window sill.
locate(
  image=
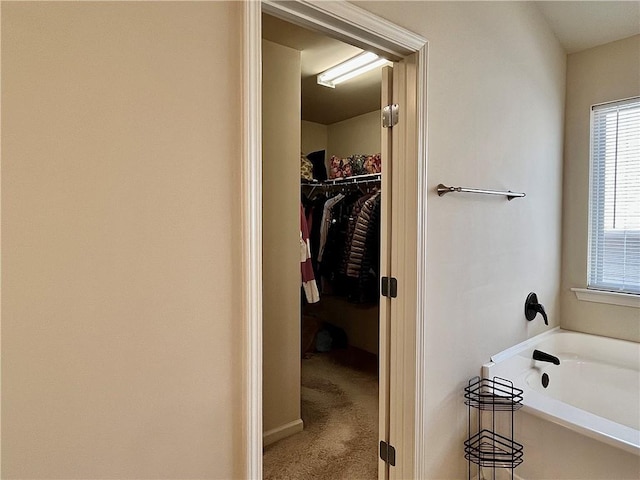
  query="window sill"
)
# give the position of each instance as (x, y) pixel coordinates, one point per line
(612, 298)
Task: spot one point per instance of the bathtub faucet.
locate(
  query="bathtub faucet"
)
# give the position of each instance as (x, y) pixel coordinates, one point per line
(532, 308)
(545, 357)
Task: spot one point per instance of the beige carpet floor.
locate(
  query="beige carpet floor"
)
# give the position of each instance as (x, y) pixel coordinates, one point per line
(340, 415)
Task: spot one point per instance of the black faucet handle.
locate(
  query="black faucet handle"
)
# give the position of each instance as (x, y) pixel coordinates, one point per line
(542, 312)
(532, 308)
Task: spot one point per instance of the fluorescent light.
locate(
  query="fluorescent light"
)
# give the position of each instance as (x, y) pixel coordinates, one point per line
(349, 69)
(347, 76)
(347, 66)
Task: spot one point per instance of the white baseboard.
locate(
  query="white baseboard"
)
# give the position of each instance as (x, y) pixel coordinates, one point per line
(282, 431)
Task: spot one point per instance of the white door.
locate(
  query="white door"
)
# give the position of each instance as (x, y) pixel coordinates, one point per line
(385, 273)
(398, 253)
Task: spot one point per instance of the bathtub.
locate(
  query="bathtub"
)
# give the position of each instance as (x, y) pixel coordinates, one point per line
(595, 391)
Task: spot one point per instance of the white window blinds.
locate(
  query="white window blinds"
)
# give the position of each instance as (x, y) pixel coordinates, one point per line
(614, 224)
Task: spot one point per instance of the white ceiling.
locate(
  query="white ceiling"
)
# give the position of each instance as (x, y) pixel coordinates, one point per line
(583, 24)
(578, 25)
(318, 53)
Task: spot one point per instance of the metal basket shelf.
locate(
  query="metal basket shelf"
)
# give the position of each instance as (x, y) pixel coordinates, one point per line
(490, 449)
(497, 394)
(485, 447)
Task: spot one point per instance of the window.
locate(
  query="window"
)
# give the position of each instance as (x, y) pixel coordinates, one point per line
(614, 209)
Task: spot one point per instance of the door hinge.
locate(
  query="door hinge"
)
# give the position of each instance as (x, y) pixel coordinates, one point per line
(387, 453)
(390, 115)
(389, 287)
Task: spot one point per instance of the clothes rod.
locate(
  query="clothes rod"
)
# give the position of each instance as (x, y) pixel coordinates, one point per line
(372, 177)
(443, 189)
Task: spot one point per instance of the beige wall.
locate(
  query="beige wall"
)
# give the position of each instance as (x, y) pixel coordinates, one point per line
(121, 315)
(314, 137)
(359, 322)
(602, 74)
(121, 351)
(359, 134)
(281, 236)
(495, 109)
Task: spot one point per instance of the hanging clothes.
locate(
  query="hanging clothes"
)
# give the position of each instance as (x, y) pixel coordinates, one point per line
(326, 222)
(353, 218)
(349, 265)
(360, 235)
(314, 209)
(344, 228)
(367, 289)
(331, 280)
(364, 253)
(308, 279)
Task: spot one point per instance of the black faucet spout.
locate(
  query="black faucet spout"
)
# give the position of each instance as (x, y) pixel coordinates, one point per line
(545, 357)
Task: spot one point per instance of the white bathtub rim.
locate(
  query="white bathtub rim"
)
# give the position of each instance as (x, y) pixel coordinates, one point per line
(600, 429)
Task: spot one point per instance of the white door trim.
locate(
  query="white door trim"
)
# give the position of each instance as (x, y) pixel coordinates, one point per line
(358, 27)
(251, 208)
(420, 434)
(344, 21)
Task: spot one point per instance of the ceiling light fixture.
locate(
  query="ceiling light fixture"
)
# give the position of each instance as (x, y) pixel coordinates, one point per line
(351, 68)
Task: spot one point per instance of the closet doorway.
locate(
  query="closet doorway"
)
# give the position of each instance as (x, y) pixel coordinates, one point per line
(407, 221)
(325, 213)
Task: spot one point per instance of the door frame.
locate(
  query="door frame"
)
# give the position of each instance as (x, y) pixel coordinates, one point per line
(356, 26)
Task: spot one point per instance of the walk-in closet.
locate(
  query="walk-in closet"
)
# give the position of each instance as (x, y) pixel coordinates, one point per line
(322, 210)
